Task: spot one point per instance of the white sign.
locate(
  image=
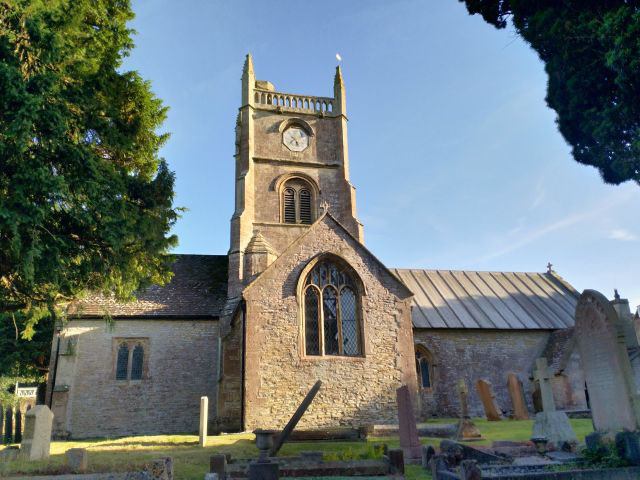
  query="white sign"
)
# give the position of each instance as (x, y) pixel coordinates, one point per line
(27, 392)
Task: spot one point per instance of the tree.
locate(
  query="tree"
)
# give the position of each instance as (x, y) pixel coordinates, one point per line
(85, 200)
(591, 52)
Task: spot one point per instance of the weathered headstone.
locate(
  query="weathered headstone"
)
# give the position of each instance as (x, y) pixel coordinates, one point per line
(396, 461)
(514, 385)
(599, 333)
(469, 470)
(77, 459)
(218, 465)
(550, 423)
(467, 430)
(8, 426)
(37, 433)
(427, 453)
(204, 419)
(409, 441)
(488, 398)
(295, 418)
(18, 435)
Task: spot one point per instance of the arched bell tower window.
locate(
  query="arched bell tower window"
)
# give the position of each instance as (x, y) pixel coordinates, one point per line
(424, 367)
(297, 202)
(331, 313)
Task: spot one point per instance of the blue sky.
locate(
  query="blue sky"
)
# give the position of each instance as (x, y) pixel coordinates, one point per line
(456, 158)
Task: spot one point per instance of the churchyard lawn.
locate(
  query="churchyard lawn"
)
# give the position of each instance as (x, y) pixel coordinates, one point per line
(191, 462)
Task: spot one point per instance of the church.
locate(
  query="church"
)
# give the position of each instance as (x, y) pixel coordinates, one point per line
(299, 298)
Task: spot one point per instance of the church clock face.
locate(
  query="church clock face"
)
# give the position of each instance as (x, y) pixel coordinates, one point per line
(296, 139)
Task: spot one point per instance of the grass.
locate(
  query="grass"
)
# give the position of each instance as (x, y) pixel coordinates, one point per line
(191, 462)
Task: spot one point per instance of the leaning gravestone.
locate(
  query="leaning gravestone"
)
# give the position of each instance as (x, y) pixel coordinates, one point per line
(485, 392)
(514, 385)
(37, 433)
(599, 332)
(550, 423)
(409, 441)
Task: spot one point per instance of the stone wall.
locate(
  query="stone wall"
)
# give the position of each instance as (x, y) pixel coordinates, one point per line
(180, 367)
(230, 384)
(356, 390)
(475, 354)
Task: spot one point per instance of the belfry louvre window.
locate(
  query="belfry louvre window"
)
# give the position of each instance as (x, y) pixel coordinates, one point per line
(297, 202)
(332, 324)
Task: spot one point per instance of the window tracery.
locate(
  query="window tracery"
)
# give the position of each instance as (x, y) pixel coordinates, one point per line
(332, 324)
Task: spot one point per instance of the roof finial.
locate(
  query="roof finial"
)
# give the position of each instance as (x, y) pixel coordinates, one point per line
(549, 269)
(616, 295)
(337, 80)
(324, 206)
(248, 64)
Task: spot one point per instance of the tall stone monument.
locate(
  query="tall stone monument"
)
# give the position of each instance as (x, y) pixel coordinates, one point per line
(600, 337)
(550, 423)
(409, 441)
(37, 433)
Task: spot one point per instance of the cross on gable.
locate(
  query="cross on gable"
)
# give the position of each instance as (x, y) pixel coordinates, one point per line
(543, 375)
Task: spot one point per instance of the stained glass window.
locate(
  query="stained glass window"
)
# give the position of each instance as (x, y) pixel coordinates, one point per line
(137, 359)
(331, 315)
(122, 363)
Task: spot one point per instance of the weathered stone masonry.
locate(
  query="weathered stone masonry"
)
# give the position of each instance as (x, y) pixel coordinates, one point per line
(182, 367)
(474, 354)
(356, 391)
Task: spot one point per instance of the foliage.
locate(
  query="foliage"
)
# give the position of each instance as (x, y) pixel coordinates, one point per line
(591, 52)
(372, 451)
(85, 200)
(606, 456)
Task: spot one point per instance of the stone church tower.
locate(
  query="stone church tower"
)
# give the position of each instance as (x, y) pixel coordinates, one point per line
(306, 300)
(291, 159)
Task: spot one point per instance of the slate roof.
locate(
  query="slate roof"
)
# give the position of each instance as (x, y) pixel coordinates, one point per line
(198, 289)
(489, 300)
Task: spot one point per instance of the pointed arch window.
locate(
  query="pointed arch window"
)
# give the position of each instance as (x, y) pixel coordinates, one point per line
(137, 358)
(332, 323)
(424, 367)
(122, 365)
(130, 355)
(298, 203)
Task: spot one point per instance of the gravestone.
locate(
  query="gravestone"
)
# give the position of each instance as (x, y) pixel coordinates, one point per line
(467, 430)
(218, 465)
(601, 343)
(514, 385)
(550, 423)
(37, 433)
(204, 418)
(8, 426)
(409, 441)
(295, 418)
(485, 392)
(77, 459)
(18, 435)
